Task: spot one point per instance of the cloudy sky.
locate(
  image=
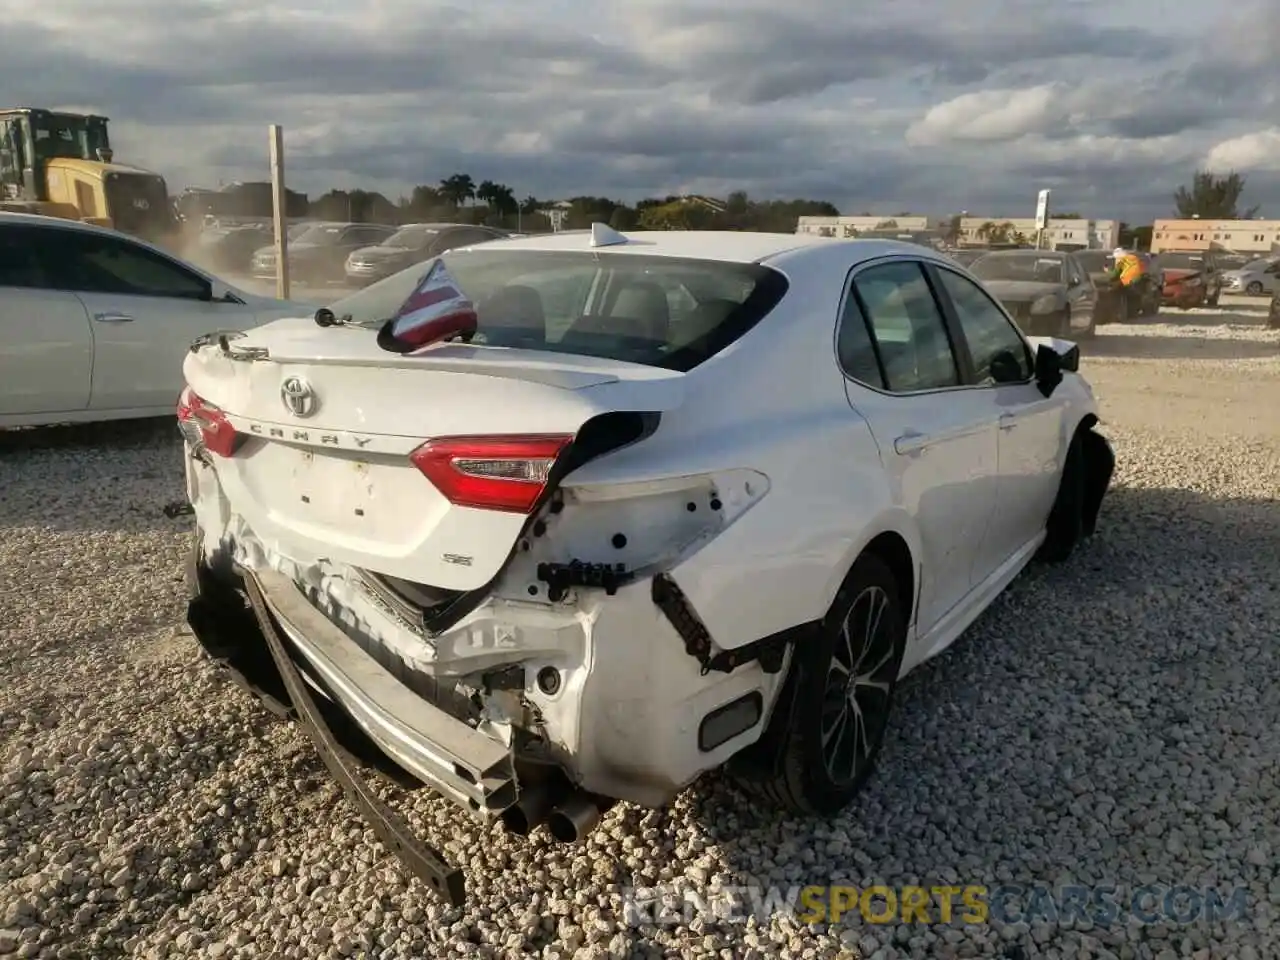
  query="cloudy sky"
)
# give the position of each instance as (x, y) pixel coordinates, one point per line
(873, 105)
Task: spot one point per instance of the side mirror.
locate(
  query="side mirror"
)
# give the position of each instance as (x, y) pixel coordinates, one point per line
(1050, 365)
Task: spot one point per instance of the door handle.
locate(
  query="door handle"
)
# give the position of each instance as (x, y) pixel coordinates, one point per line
(112, 318)
(911, 443)
(1008, 421)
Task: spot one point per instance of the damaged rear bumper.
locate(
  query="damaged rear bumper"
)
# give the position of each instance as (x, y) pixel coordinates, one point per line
(471, 768)
(391, 829)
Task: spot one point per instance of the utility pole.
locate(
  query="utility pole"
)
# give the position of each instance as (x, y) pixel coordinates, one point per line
(280, 201)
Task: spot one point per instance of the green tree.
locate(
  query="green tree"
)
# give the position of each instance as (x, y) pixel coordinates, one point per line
(503, 200)
(623, 219)
(1212, 196)
(423, 203)
(529, 204)
(951, 232)
(484, 192)
(458, 188)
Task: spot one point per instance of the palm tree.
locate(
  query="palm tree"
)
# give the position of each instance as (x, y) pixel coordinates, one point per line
(458, 188)
(503, 199)
(484, 192)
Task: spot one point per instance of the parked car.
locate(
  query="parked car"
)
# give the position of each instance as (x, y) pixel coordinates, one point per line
(1046, 291)
(1113, 304)
(581, 556)
(1232, 261)
(1191, 278)
(94, 323)
(965, 257)
(412, 243)
(1256, 278)
(231, 249)
(320, 253)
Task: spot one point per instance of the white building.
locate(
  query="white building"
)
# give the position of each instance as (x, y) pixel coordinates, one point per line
(1091, 234)
(1066, 232)
(846, 227)
(1242, 236)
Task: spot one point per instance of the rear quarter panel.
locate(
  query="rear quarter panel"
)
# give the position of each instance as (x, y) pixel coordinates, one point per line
(774, 402)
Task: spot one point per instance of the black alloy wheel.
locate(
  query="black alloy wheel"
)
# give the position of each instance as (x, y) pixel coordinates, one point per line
(859, 687)
(833, 711)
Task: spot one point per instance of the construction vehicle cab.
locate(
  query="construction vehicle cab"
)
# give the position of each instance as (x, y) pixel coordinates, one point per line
(62, 165)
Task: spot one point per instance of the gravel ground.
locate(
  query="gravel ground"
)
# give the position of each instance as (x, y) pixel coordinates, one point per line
(1107, 721)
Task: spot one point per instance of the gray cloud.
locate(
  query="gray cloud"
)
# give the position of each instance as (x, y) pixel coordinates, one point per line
(674, 94)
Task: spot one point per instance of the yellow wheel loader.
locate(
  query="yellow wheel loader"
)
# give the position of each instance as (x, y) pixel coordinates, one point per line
(61, 165)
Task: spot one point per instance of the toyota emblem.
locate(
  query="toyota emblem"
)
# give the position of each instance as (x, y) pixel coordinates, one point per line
(298, 397)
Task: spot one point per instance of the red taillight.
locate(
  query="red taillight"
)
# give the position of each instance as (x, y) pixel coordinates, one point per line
(215, 431)
(491, 473)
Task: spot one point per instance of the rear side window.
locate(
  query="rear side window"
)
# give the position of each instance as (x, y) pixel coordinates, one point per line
(92, 263)
(660, 311)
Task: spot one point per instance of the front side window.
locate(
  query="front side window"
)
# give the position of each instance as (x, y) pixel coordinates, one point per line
(999, 353)
(91, 263)
(592, 303)
(20, 264)
(907, 327)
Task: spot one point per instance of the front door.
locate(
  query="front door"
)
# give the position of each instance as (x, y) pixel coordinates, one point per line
(1030, 424)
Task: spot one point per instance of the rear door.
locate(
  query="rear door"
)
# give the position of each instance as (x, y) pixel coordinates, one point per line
(937, 436)
(144, 310)
(46, 347)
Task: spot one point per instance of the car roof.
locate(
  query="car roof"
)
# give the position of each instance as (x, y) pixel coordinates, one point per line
(14, 218)
(728, 246)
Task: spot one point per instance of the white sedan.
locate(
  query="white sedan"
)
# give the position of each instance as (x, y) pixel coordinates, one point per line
(94, 323)
(578, 517)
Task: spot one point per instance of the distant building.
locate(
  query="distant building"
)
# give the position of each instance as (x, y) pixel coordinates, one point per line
(1060, 232)
(1080, 234)
(846, 227)
(1241, 236)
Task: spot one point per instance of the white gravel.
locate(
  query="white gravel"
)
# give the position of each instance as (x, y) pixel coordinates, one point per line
(1108, 721)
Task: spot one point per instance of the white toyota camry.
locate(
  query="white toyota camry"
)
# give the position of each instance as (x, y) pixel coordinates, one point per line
(575, 518)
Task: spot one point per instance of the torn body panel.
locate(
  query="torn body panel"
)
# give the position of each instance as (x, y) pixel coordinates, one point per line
(603, 686)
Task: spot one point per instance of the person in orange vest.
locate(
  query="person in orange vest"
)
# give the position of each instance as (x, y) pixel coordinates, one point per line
(1129, 270)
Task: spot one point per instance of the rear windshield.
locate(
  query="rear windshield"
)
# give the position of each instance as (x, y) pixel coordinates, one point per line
(1018, 266)
(658, 311)
(323, 235)
(1182, 261)
(412, 237)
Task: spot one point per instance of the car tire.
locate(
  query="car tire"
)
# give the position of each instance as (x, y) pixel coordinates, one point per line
(1086, 476)
(1088, 332)
(1254, 289)
(817, 763)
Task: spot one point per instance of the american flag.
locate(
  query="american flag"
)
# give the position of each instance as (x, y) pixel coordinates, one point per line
(435, 310)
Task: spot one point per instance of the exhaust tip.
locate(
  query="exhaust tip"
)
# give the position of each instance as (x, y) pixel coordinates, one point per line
(562, 828)
(517, 821)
